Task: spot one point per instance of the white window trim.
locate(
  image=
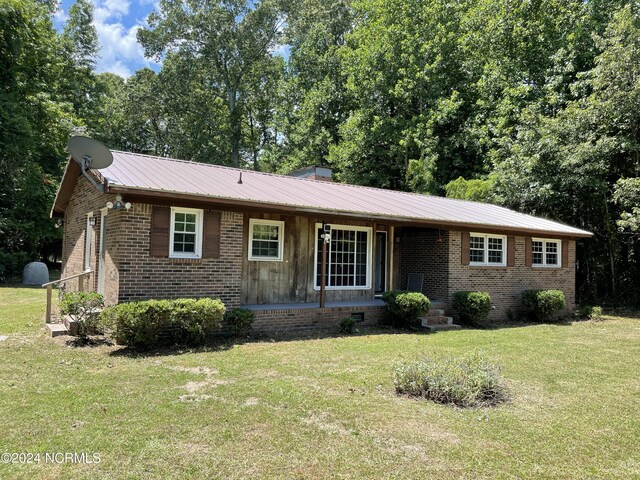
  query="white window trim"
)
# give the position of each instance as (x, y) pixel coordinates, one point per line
(544, 263)
(259, 221)
(369, 256)
(198, 232)
(486, 262)
(87, 242)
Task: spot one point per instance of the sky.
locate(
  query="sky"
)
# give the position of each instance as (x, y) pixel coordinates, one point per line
(117, 22)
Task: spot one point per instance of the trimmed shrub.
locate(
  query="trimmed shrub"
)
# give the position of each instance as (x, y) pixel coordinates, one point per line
(542, 305)
(589, 312)
(348, 325)
(473, 307)
(239, 321)
(153, 323)
(84, 308)
(404, 309)
(468, 381)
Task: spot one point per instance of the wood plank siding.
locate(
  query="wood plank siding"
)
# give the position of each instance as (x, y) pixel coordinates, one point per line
(292, 279)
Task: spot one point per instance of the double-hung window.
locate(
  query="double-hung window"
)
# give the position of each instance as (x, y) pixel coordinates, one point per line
(348, 258)
(487, 250)
(186, 233)
(545, 253)
(266, 239)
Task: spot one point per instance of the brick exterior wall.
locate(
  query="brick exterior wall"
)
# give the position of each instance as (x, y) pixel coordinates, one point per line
(86, 198)
(425, 251)
(506, 284)
(145, 277)
(305, 319)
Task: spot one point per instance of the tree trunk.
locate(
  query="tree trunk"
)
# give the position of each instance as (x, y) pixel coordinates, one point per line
(234, 127)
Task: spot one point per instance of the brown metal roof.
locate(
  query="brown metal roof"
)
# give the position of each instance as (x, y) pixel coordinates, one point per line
(160, 174)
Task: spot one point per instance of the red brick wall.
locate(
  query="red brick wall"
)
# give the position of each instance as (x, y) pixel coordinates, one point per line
(144, 277)
(312, 318)
(505, 284)
(86, 198)
(425, 251)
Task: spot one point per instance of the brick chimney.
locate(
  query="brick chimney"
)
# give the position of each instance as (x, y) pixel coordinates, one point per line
(313, 173)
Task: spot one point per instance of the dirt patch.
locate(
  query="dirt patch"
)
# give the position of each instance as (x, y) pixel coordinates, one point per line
(250, 402)
(324, 423)
(193, 398)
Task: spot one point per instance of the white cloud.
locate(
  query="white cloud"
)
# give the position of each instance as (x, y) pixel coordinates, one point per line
(60, 15)
(120, 51)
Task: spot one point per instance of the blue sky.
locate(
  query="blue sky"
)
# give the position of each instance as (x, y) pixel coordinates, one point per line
(117, 22)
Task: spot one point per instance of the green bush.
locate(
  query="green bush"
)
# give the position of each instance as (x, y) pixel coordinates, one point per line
(467, 381)
(473, 307)
(84, 308)
(348, 325)
(239, 321)
(404, 309)
(589, 312)
(542, 305)
(153, 323)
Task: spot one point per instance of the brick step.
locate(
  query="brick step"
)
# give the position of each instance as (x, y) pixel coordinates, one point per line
(56, 329)
(435, 328)
(435, 312)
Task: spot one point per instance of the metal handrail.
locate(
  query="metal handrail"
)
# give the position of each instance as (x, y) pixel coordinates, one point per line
(49, 286)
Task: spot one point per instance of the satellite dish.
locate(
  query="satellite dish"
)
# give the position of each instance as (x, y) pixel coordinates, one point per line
(90, 153)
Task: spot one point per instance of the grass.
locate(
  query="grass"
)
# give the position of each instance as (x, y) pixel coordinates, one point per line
(321, 407)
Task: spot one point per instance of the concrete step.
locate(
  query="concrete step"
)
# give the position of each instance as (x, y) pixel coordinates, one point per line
(56, 329)
(436, 320)
(437, 328)
(435, 312)
(72, 325)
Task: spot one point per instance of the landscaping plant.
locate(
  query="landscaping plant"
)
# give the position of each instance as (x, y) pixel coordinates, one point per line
(84, 308)
(542, 305)
(404, 309)
(468, 381)
(473, 307)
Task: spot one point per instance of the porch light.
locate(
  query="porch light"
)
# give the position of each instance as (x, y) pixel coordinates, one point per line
(92, 221)
(118, 205)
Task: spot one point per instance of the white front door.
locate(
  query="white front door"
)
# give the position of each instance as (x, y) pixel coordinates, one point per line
(102, 251)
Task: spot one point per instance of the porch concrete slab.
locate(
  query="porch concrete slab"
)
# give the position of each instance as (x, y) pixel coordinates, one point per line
(57, 329)
(300, 306)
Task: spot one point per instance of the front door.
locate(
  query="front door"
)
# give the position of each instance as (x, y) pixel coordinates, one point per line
(381, 262)
(102, 250)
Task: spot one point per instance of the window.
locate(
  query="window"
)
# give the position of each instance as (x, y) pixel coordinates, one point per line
(545, 253)
(266, 239)
(487, 250)
(348, 258)
(186, 233)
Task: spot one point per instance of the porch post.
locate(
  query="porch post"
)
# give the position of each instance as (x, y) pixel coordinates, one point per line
(323, 272)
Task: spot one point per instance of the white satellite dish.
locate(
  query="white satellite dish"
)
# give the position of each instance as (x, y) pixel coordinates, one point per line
(90, 153)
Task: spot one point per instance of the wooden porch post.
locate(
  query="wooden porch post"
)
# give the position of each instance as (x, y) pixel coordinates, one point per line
(47, 318)
(323, 272)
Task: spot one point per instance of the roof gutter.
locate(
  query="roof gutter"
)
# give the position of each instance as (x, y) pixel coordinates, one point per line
(237, 204)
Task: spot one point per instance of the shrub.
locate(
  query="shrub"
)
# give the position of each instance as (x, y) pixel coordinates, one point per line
(473, 307)
(404, 309)
(467, 381)
(348, 325)
(589, 312)
(542, 305)
(83, 307)
(153, 323)
(239, 321)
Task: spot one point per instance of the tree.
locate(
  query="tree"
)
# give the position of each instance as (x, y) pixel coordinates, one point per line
(228, 40)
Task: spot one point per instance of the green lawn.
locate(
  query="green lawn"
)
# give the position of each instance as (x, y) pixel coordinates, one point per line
(319, 408)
